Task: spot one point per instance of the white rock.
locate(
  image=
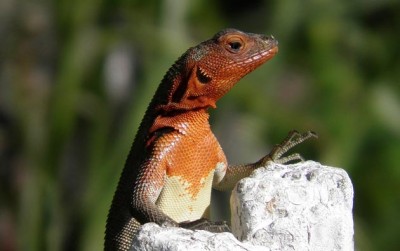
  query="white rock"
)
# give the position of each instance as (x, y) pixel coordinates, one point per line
(152, 237)
(305, 206)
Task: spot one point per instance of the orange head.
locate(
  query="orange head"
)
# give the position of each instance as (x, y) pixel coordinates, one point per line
(209, 70)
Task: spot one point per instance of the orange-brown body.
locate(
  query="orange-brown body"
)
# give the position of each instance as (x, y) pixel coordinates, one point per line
(192, 154)
(175, 159)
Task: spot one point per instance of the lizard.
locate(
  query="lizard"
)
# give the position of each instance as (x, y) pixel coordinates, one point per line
(175, 159)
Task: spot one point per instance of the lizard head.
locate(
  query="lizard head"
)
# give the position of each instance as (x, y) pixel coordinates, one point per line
(210, 69)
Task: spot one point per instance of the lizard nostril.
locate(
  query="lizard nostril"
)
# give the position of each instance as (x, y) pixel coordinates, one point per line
(271, 40)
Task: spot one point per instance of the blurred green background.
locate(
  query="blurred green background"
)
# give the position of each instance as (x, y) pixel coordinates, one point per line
(76, 77)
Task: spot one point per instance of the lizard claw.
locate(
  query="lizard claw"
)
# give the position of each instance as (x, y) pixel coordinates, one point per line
(204, 224)
(294, 138)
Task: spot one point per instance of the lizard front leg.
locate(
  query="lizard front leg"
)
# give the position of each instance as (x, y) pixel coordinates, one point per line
(294, 138)
(226, 179)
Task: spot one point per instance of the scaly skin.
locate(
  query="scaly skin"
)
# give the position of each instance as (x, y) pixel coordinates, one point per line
(175, 158)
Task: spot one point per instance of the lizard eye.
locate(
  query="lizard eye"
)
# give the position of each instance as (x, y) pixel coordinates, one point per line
(234, 45)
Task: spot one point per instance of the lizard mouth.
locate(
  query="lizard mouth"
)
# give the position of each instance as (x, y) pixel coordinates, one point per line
(274, 49)
(263, 55)
(270, 53)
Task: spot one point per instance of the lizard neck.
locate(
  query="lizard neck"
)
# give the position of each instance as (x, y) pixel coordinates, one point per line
(180, 121)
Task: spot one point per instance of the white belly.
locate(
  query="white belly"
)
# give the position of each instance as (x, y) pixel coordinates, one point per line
(176, 201)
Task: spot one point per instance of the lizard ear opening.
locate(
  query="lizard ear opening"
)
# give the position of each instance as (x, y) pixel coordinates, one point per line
(202, 76)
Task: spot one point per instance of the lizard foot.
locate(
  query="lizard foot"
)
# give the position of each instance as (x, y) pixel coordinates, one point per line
(204, 224)
(294, 138)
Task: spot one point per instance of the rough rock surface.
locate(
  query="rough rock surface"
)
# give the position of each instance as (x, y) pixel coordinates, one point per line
(153, 237)
(305, 206)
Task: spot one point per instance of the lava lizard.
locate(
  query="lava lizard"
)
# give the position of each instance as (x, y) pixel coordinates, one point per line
(175, 158)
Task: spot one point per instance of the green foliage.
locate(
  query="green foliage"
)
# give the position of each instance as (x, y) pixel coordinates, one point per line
(76, 77)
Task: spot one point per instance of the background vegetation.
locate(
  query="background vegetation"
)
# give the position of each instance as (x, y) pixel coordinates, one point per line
(76, 77)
